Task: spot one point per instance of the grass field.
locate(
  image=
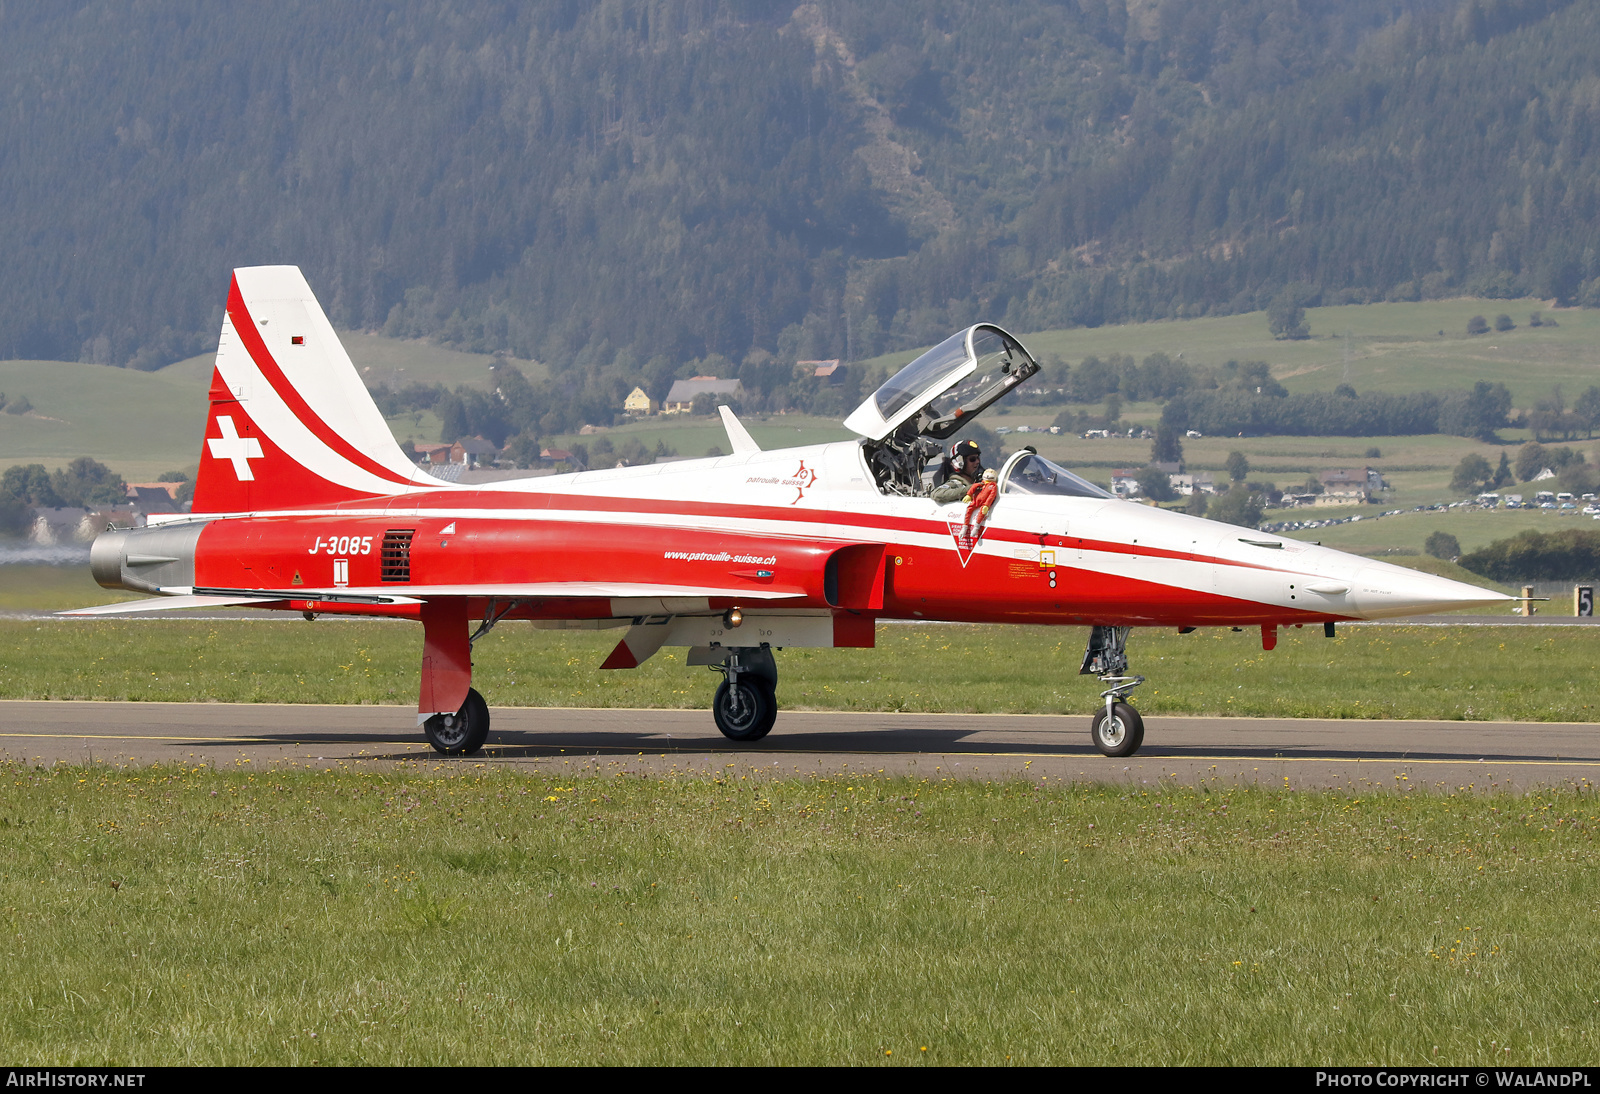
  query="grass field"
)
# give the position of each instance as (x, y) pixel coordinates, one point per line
(1477, 673)
(144, 423)
(1392, 347)
(192, 916)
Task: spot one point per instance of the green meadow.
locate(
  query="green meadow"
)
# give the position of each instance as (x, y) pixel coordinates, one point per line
(1453, 672)
(143, 423)
(185, 915)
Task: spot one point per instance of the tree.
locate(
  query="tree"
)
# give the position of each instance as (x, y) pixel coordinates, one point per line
(1502, 473)
(1587, 409)
(1167, 447)
(88, 482)
(30, 484)
(1240, 505)
(1286, 315)
(1477, 325)
(1487, 409)
(1113, 407)
(1502, 322)
(1238, 466)
(1442, 545)
(1156, 485)
(1472, 474)
(1530, 461)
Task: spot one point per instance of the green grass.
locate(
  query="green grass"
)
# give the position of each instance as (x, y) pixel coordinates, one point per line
(1392, 347)
(695, 436)
(1463, 672)
(53, 588)
(190, 916)
(143, 423)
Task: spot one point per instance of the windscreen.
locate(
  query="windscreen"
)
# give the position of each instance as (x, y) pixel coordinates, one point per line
(920, 375)
(1037, 475)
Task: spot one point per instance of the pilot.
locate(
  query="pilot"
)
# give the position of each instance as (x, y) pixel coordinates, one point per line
(964, 466)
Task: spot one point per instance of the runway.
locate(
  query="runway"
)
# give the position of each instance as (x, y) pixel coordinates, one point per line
(1278, 752)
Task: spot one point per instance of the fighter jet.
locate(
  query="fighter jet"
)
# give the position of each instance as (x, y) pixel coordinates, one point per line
(305, 503)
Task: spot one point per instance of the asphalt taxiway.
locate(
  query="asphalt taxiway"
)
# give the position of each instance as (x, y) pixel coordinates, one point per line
(1280, 752)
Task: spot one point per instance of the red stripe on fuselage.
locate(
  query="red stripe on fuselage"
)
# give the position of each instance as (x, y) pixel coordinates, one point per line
(245, 325)
(454, 502)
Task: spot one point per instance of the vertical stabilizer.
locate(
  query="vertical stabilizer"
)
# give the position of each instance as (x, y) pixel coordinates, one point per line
(291, 423)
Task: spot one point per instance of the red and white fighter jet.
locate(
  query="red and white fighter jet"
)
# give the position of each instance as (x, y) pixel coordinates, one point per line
(305, 503)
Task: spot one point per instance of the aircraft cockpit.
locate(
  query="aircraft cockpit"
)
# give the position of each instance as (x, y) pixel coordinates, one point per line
(933, 397)
(1027, 472)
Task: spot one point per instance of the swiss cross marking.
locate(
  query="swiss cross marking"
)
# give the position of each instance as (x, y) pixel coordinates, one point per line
(231, 446)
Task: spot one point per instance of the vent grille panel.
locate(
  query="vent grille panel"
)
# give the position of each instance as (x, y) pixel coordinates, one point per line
(397, 554)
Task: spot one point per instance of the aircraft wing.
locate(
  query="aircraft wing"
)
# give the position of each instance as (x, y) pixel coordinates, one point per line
(170, 603)
(415, 594)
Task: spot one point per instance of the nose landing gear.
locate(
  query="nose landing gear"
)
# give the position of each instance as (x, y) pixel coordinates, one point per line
(1117, 730)
(746, 703)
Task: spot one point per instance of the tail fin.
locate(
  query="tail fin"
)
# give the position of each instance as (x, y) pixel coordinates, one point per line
(291, 423)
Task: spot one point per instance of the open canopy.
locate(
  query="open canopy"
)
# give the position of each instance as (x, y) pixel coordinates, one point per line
(983, 349)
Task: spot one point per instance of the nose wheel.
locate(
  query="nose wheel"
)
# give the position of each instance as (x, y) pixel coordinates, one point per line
(745, 705)
(746, 709)
(1117, 730)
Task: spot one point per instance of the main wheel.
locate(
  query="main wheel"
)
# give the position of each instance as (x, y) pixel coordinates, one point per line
(746, 710)
(461, 733)
(1119, 734)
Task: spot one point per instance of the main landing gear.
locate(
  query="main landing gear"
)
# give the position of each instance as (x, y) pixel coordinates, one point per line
(746, 702)
(1116, 730)
(461, 733)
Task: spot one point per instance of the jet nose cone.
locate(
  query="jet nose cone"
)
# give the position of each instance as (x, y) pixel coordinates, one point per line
(1383, 591)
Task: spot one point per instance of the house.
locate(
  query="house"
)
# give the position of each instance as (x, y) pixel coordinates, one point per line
(1125, 481)
(433, 453)
(52, 526)
(1353, 485)
(1187, 485)
(831, 371)
(555, 455)
(151, 500)
(638, 404)
(473, 451)
(170, 487)
(680, 400)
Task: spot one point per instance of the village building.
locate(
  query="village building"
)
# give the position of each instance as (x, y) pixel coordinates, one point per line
(473, 452)
(833, 371)
(680, 400)
(638, 404)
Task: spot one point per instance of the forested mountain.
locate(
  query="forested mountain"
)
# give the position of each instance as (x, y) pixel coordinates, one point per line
(626, 186)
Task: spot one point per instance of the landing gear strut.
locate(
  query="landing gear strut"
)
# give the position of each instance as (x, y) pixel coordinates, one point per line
(746, 702)
(1117, 730)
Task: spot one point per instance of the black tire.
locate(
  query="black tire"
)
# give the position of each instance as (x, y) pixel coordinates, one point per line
(746, 711)
(1119, 735)
(461, 733)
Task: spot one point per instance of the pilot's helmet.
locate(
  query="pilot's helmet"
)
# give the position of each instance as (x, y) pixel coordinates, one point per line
(961, 450)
